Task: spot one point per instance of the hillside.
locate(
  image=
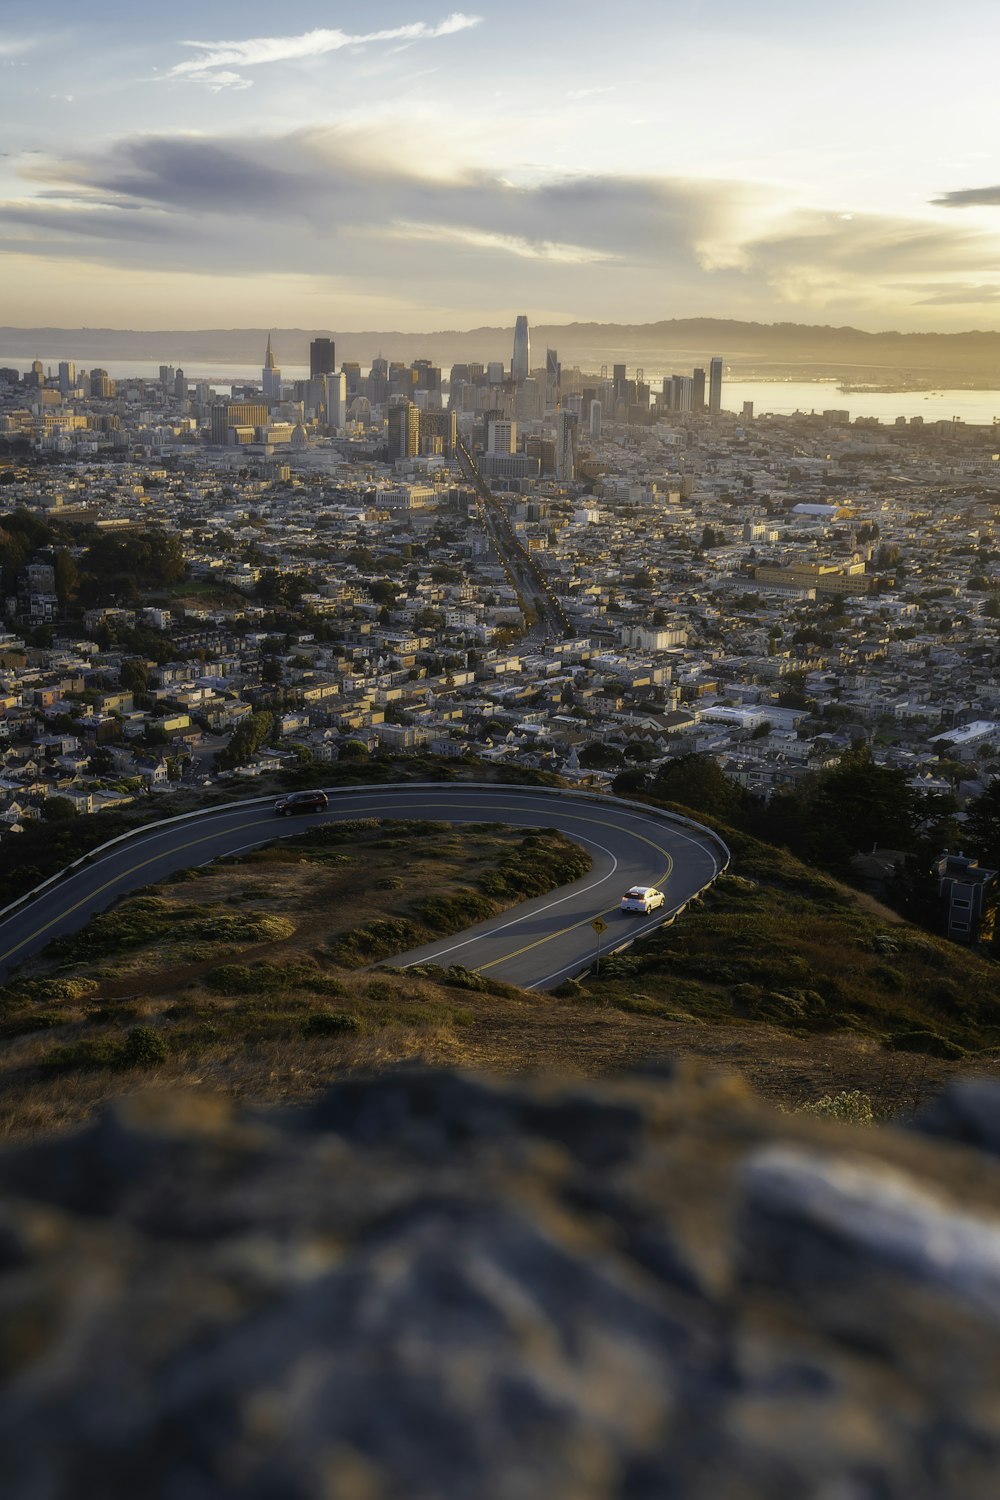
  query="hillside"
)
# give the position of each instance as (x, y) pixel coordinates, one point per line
(250, 978)
(762, 349)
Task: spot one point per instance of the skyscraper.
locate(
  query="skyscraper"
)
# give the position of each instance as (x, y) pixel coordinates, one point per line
(553, 377)
(67, 376)
(698, 393)
(322, 358)
(270, 375)
(404, 431)
(336, 398)
(521, 361)
(715, 386)
(596, 411)
(565, 447)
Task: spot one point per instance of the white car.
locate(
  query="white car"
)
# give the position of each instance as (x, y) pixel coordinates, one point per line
(643, 898)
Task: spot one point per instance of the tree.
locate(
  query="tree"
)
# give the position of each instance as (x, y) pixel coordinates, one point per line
(352, 750)
(599, 757)
(696, 781)
(246, 739)
(58, 810)
(982, 825)
(134, 676)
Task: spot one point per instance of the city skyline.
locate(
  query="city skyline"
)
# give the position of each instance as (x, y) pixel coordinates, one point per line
(446, 168)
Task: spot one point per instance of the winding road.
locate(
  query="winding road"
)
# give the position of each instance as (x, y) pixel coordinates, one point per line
(537, 944)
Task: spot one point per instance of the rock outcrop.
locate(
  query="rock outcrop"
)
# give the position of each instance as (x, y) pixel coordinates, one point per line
(440, 1287)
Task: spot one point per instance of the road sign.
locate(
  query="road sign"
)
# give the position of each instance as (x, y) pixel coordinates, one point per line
(599, 925)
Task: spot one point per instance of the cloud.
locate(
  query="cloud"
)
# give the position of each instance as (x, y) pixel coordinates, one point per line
(958, 294)
(970, 198)
(338, 205)
(15, 46)
(212, 66)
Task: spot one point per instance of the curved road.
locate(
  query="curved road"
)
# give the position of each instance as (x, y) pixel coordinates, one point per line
(537, 944)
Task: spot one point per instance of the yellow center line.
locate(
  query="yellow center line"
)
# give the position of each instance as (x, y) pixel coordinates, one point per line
(132, 870)
(573, 927)
(265, 822)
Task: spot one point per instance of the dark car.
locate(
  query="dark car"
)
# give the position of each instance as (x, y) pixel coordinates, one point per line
(301, 802)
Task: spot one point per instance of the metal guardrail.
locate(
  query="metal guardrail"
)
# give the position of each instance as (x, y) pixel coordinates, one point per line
(602, 799)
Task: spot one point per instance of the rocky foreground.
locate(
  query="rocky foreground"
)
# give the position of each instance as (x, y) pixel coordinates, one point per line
(445, 1288)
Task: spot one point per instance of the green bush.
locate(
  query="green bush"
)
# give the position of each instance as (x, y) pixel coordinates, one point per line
(928, 1042)
(330, 1023)
(144, 1048)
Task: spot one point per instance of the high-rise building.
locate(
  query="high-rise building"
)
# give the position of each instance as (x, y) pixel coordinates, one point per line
(565, 447)
(167, 377)
(715, 386)
(336, 399)
(322, 358)
(67, 376)
(101, 384)
(180, 385)
(502, 437)
(520, 364)
(439, 432)
(227, 415)
(595, 420)
(270, 375)
(404, 431)
(698, 391)
(618, 380)
(553, 377)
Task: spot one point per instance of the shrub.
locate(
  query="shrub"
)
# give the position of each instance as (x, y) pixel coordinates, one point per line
(330, 1023)
(850, 1105)
(144, 1048)
(928, 1042)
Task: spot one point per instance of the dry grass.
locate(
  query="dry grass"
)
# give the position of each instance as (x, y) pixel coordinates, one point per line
(783, 976)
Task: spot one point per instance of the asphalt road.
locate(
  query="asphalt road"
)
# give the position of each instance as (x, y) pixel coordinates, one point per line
(537, 944)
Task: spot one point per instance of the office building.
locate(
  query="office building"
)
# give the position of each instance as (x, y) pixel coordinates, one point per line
(439, 432)
(715, 386)
(565, 447)
(322, 358)
(501, 437)
(596, 412)
(404, 431)
(270, 375)
(226, 417)
(180, 385)
(335, 399)
(698, 391)
(520, 364)
(101, 384)
(67, 376)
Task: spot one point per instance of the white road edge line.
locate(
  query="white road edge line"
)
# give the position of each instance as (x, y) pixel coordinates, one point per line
(537, 911)
(638, 932)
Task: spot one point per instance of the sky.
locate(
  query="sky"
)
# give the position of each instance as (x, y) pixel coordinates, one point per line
(415, 167)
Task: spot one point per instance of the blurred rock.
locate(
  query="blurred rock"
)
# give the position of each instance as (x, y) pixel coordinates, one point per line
(436, 1287)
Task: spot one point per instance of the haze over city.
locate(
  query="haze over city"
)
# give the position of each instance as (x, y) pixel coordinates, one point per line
(424, 168)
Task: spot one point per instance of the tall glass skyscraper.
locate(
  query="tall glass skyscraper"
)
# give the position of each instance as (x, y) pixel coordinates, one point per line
(715, 386)
(521, 362)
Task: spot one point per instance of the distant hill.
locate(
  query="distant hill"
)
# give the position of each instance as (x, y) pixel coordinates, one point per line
(971, 358)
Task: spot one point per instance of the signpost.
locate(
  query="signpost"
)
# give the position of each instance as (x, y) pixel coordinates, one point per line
(599, 925)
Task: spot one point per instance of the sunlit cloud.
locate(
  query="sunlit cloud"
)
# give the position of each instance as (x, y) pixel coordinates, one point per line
(216, 59)
(508, 244)
(641, 247)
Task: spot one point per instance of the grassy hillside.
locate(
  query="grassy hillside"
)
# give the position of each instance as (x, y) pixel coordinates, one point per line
(250, 977)
(776, 942)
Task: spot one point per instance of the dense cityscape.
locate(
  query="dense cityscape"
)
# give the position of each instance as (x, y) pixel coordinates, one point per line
(557, 569)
